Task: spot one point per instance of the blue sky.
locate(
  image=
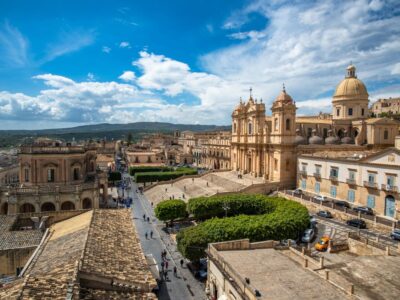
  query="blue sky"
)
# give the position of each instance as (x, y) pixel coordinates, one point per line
(67, 63)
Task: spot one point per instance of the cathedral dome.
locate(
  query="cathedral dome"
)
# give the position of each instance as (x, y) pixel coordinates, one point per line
(283, 96)
(351, 88)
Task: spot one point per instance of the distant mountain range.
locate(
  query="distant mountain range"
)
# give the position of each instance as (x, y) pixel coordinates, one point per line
(98, 131)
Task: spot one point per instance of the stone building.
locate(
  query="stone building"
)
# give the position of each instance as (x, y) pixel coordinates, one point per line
(9, 175)
(215, 151)
(54, 176)
(371, 180)
(267, 146)
(389, 106)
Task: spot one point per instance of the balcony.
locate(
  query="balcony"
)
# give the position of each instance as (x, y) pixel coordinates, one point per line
(333, 178)
(389, 188)
(371, 185)
(351, 181)
(317, 175)
(303, 173)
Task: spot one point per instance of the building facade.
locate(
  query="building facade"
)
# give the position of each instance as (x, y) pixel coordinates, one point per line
(362, 180)
(54, 176)
(389, 106)
(267, 146)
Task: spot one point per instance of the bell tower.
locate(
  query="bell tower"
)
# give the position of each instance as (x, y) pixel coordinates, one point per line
(282, 152)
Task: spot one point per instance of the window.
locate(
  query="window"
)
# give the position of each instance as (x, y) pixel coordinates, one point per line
(318, 169)
(352, 175)
(338, 112)
(390, 181)
(234, 127)
(287, 124)
(304, 168)
(276, 164)
(371, 178)
(371, 201)
(303, 184)
(385, 135)
(76, 173)
(362, 111)
(276, 124)
(26, 175)
(317, 187)
(333, 191)
(50, 175)
(351, 194)
(350, 111)
(334, 172)
(250, 129)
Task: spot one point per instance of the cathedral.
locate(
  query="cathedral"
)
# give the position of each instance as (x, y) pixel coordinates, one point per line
(268, 146)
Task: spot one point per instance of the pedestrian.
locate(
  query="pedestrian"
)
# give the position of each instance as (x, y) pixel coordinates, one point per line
(151, 204)
(207, 183)
(181, 263)
(184, 188)
(166, 189)
(183, 196)
(166, 274)
(162, 255)
(165, 253)
(162, 265)
(145, 235)
(192, 179)
(151, 234)
(175, 271)
(166, 264)
(144, 217)
(148, 219)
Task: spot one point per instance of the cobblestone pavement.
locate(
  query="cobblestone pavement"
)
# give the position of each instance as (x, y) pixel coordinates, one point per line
(184, 286)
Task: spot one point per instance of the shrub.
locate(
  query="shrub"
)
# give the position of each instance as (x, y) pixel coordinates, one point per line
(281, 219)
(143, 169)
(163, 176)
(170, 210)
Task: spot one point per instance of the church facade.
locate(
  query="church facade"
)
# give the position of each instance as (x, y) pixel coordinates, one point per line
(268, 146)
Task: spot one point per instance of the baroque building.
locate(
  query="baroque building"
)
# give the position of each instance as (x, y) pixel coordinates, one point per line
(54, 176)
(268, 146)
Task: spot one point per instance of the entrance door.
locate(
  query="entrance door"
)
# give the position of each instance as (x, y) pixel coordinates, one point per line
(389, 206)
(249, 165)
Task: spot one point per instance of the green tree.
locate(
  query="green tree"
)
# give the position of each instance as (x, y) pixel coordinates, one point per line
(171, 210)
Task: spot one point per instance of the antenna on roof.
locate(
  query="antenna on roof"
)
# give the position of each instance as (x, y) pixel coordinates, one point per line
(283, 87)
(251, 90)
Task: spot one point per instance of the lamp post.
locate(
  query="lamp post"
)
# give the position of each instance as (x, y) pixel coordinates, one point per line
(226, 207)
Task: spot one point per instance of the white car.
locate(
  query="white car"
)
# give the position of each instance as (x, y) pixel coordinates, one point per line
(320, 198)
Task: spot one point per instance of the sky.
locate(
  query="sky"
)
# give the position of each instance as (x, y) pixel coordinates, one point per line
(69, 63)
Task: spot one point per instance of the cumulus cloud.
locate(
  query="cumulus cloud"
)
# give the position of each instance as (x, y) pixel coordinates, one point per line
(128, 76)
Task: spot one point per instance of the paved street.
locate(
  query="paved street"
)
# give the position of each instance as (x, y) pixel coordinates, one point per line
(184, 286)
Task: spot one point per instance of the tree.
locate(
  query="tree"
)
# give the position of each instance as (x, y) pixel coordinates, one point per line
(129, 138)
(171, 210)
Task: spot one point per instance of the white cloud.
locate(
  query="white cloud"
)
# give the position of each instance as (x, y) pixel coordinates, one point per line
(125, 45)
(13, 47)
(106, 49)
(90, 77)
(128, 76)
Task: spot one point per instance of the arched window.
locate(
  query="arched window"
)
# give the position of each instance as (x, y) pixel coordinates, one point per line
(385, 134)
(76, 174)
(26, 174)
(26, 208)
(48, 206)
(250, 128)
(276, 124)
(287, 124)
(51, 175)
(234, 127)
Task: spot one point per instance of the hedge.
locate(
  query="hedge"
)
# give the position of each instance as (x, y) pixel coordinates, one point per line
(208, 207)
(163, 176)
(170, 210)
(143, 169)
(281, 219)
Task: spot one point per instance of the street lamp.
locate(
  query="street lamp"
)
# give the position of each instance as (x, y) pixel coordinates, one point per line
(226, 207)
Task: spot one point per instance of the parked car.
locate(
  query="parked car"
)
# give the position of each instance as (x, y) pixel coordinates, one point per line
(320, 198)
(325, 214)
(342, 203)
(298, 192)
(357, 223)
(308, 235)
(313, 221)
(395, 235)
(323, 243)
(288, 242)
(364, 210)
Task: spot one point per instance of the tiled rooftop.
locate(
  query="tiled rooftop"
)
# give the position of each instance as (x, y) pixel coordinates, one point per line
(12, 239)
(96, 244)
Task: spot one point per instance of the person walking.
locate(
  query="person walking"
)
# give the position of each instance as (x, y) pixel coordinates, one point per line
(175, 271)
(181, 263)
(162, 265)
(148, 219)
(145, 235)
(144, 217)
(166, 264)
(151, 234)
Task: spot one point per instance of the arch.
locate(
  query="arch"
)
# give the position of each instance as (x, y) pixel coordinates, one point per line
(355, 132)
(87, 203)
(341, 133)
(27, 208)
(390, 206)
(288, 125)
(4, 209)
(67, 205)
(48, 206)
